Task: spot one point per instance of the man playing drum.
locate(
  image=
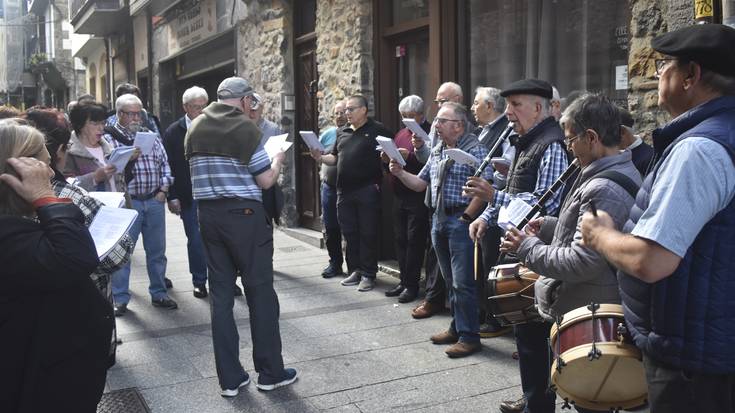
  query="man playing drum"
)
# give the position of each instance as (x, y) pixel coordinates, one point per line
(573, 275)
(677, 255)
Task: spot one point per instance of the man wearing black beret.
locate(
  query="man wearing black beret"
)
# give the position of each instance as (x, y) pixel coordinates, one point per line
(540, 160)
(676, 254)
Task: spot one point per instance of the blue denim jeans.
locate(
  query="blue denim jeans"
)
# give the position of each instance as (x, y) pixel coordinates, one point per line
(194, 246)
(332, 231)
(454, 251)
(151, 222)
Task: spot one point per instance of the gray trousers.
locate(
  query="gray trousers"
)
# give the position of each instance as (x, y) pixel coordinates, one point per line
(238, 238)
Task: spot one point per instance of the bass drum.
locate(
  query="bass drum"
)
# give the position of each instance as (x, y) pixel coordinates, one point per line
(510, 294)
(596, 365)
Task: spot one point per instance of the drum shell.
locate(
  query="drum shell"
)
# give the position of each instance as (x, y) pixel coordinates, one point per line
(511, 295)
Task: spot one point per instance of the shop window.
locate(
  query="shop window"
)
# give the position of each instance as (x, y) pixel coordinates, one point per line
(573, 44)
(407, 10)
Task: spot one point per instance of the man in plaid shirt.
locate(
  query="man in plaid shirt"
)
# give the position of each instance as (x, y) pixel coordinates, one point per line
(450, 232)
(151, 178)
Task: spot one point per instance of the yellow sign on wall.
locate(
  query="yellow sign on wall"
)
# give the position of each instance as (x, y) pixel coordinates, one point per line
(703, 8)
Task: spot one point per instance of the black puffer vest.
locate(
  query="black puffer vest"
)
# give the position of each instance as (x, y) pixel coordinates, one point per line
(530, 149)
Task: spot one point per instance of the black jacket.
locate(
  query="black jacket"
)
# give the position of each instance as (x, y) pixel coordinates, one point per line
(173, 142)
(55, 325)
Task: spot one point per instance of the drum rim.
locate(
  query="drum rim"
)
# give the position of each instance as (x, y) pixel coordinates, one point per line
(606, 310)
(581, 353)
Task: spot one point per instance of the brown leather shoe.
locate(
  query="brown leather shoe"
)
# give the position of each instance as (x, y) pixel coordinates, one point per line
(462, 349)
(445, 337)
(509, 406)
(425, 310)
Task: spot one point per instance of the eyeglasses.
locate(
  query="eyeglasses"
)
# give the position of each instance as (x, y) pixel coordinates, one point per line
(569, 141)
(350, 109)
(442, 121)
(192, 106)
(339, 113)
(134, 114)
(661, 65)
(441, 101)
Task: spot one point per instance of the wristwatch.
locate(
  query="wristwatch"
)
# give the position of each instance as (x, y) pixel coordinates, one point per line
(466, 218)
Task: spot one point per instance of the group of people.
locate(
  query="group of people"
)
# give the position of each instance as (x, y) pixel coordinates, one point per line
(645, 227)
(649, 228)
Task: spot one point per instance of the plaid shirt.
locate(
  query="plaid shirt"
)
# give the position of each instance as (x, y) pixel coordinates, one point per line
(150, 172)
(553, 163)
(456, 177)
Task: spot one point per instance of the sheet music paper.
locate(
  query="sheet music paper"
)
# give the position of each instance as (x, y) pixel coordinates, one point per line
(120, 156)
(312, 141)
(514, 213)
(462, 157)
(277, 144)
(389, 147)
(109, 226)
(145, 141)
(416, 129)
(111, 199)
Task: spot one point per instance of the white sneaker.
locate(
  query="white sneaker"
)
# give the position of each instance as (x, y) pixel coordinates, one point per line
(289, 377)
(234, 392)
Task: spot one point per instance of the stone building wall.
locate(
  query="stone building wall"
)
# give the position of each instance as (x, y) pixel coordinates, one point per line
(265, 58)
(649, 19)
(344, 52)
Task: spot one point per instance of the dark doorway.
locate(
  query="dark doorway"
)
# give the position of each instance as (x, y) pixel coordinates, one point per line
(208, 80)
(307, 118)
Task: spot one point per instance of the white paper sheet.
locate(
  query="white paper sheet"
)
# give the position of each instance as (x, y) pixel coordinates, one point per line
(416, 129)
(109, 225)
(462, 157)
(111, 199)
(311, 140)
(513, 214)
(277, 144)
(389, 147)
(145, 141)
(120, 157)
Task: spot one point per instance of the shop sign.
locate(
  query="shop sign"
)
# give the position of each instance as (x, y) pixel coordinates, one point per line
(192, 25)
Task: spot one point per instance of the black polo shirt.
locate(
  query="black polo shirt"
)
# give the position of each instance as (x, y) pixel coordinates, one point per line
(358, 163)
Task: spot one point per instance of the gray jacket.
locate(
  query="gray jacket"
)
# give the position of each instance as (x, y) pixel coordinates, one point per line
(80, 163)
(574, 275)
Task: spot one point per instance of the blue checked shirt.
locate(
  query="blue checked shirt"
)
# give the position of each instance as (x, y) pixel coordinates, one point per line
(456, 178)
(552, 165)
(150, 172)
(222, 177)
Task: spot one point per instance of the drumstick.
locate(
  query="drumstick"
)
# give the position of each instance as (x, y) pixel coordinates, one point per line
(477, 261)
(593, 208)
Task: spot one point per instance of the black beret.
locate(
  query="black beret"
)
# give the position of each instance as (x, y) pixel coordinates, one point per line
(529, 87)
(710, 45)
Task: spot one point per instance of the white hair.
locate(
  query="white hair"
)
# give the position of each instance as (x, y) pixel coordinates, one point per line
(555, 95)
(126, 100)
(457, 89)
(194, 93)
(492, 95)
(411, 103)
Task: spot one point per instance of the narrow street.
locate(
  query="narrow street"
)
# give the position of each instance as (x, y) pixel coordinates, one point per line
(354, 352)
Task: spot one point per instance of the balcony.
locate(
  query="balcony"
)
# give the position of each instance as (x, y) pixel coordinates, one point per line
(98, 17)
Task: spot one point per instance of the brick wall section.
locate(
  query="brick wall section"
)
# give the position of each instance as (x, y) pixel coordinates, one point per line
(344, 52)
(650, 18)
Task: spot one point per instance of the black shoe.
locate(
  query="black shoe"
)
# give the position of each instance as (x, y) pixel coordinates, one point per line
(408, 295)
(332, 271)
(396, 291)
(121, 309)
(513, 406)
(165, 303)
(200, 292)
(168, 283)
(238, 291)
(488, 330)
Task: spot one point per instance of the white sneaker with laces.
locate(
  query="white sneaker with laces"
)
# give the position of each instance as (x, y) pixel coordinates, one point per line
(234, 392)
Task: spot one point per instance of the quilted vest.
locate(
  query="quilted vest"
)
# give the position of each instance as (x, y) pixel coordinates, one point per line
(687, 320)
(530, 150)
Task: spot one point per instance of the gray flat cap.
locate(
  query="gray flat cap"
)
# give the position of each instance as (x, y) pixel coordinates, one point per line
(234, 87)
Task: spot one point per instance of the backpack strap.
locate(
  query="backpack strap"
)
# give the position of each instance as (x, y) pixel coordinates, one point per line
(624, 181)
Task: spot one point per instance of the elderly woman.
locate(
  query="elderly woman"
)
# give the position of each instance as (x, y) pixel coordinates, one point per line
(88, 151)
(410, 215)
(53, 125)
(56, 327)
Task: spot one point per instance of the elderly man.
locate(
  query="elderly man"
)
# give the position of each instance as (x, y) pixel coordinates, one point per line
(555, 103)
(148, 120)
(328, 175)
(359, 173)
(572, 274)
(273, 196)
(148, 189)
(229, 167)
(449, 234)
(676, 254)
(410, 215)
(180, 200)
(436, 291)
